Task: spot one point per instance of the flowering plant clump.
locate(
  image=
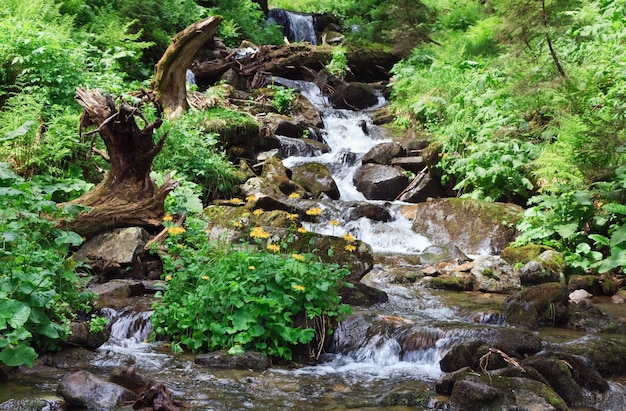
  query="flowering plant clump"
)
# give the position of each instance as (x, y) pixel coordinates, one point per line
(237, 298)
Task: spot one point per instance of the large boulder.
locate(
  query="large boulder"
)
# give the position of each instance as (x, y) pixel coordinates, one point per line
(120, 245)
(83, 389)
(543, 304)
(486, 393)
(382, 153)
(380, 182)
(316, 179)
(353, 96)
(476, 227)
(422, 188)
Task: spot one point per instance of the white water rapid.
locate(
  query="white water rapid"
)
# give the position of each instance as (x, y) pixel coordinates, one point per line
(349, 136)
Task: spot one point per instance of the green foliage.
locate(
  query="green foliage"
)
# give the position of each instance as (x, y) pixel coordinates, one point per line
(338, 65)
(589, 226)
(244, 20)
(40, 291)
(493, 171)
(240, 298)
(282, 98)
(192, 150)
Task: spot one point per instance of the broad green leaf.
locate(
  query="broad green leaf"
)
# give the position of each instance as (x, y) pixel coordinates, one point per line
(613, 261)
(566, 230)
(68, 237)
(20, 131)
(599, 239)
(236, 349)
(242, 319)
(615, 208)
(618, 236)
(582, 197)
(13, 312)
(50, 330)
(21, 354)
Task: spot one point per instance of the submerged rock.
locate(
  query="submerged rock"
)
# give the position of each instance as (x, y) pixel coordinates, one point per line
(83, 389)
(250, 360)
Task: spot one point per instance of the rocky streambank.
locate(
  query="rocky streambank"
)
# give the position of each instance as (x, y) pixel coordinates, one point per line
(498, 359)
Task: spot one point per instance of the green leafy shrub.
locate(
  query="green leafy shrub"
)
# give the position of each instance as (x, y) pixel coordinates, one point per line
(589, 226)
(493, 171)
(282, 98)
(192, 150)
(40, 291)
(238, 298)
(338, 65)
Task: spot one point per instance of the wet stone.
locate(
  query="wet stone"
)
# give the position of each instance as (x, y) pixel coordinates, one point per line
(250, 360)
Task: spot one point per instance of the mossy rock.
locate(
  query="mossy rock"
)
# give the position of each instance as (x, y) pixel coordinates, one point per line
(418, 396)
(522, 254)
(475, 226)
(449, 283)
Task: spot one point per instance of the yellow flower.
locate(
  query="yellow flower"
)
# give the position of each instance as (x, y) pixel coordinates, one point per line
(292, 217)
(349, 248)
(273, 248)
(298, 287)
(251, 197)
(259, 232)
(237, 224)
(294, 196)
(258, 212)
(348, 237)
(445, 155)
(314, 211)
(298, 257)
(205, 277)
(334, 223)
(236, 201)
(168, 218)
(302, 230)
(168, 277)
(175, 230)
(251, 267)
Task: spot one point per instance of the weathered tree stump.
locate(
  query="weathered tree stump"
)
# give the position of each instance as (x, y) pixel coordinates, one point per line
(127, 196)
(168, 82)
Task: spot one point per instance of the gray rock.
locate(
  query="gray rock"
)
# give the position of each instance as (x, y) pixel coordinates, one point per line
(382, 153)
(83, 389)
(476, 227)
(492, 274)
(371, 211)
(250, 360)
(353, 96)
(120, 245)
(380, 182)
(414, 164)
(422, 188)
(316, 179)
(35, 404)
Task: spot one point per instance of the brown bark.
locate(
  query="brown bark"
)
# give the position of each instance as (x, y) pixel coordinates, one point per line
(169, 77)
(127, 196)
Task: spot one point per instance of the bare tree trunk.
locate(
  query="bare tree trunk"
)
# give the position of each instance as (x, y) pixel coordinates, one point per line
(169, 77)
(555, 58)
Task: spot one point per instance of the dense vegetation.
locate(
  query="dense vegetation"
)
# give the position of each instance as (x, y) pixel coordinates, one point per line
(526, 100)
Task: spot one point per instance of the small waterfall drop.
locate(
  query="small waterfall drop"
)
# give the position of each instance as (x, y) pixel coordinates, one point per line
(297, 27)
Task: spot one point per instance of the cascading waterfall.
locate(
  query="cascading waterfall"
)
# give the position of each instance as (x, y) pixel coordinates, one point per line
(350, 135)
(297, 27)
